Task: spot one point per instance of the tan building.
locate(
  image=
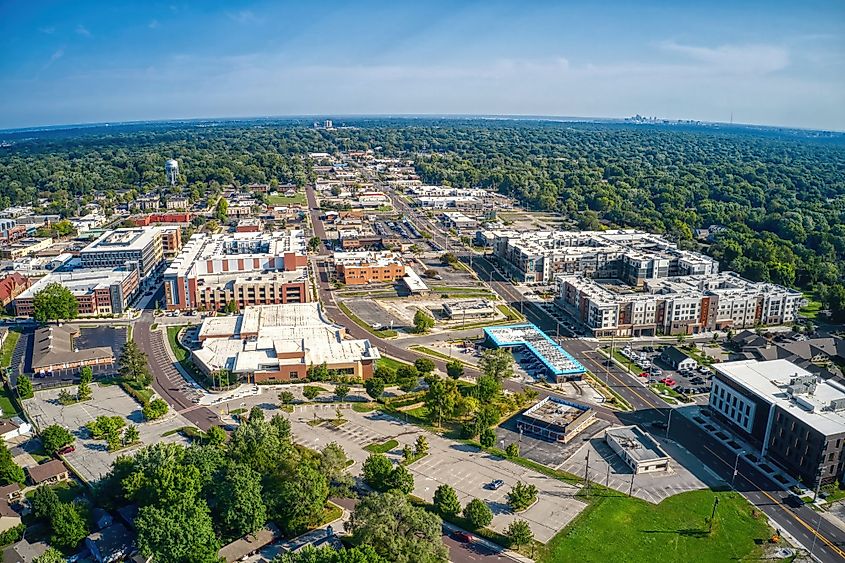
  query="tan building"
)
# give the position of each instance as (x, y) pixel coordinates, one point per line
(279, 344)
(24, 247)
(359, 268)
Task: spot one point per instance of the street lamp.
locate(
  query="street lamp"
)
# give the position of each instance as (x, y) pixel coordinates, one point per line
(736, 464)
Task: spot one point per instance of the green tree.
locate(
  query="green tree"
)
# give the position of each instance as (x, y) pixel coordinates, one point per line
(221, 210)
(55, 437)
(131, 435)
(103, 426)
(53, 303)
(314, 244)
(10, 472)
(421, 445)
(311, 554)
(487, 388)
(333, 464)
(133, 365)
(400, 479)
(519, 533)
(374, 388)
(341, 390)
(286, 397)
(397, 530)
(521, 496)
(86, 374)
(236, 501)
(446, 501)
(43, 502)
(52, 555)
(487, 437)
(424, 365)
(512, 450)
(478, 514)
(24, 387)
(376, 470)
(215, 436)
(155, 409)
(497, 363)
(423, 322)
(177, 533)
(454, 369)
(67, 526)
(298, 501)
(310, 392)
(441, 398)
(231, 307)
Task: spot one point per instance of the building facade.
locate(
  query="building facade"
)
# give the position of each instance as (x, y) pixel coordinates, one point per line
(97, 291)
(141, 249)
(360, 268)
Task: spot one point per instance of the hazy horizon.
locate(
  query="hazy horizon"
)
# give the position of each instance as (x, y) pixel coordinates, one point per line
(776, 64)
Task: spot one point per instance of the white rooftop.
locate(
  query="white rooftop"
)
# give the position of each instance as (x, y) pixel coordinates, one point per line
(79, 282)
(770, 380)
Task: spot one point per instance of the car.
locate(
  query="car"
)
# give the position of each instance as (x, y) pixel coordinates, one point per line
(66, 450)
(461, 536)
(496, 484)
(644, 374)
(668, 381)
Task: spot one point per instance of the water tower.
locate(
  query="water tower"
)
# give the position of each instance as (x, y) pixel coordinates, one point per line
(171, 169)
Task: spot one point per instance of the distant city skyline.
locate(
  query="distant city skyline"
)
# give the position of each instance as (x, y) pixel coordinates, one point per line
(767, 63)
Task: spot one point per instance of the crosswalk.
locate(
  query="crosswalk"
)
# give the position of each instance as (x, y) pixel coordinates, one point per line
(172, 375)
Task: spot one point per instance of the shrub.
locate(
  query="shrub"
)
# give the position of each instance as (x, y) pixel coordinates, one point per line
(478, 514)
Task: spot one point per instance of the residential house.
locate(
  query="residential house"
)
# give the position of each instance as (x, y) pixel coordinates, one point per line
(53, 471)
(11, 493)
(112, 543)
(14, 427)
(24, 552)
(8, 517)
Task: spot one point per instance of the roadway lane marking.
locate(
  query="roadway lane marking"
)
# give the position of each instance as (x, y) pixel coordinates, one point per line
(794, 516)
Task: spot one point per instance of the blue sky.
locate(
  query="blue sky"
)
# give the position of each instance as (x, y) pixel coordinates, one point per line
(777, 63)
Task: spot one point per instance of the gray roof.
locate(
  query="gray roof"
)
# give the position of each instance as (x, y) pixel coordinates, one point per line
(55, 345)
(252, 542)
(674, 355)
(112, 539)
(40, 473)
(23, 552)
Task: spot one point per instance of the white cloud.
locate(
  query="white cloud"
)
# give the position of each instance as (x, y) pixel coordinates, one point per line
(47, 30)
(82, 30)
(244, 17)
(739, 59)
(153, 24)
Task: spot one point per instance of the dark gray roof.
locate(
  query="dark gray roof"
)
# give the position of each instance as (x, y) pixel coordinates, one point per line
(55, 345)
(674, 355)
(112, 539)
(23, 552)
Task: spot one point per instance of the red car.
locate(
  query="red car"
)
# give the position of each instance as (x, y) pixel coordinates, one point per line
(66, 450)
(643, 374)
(668, 381)
(463, 537)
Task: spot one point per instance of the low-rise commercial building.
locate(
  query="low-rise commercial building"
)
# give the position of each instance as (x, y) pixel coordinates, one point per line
(97, 291)
(559, 364)
(279, 343)
(138, 248)
(556, 419)
(469, 309)
(458, 220)
(638, 449)
(55, 347)
(359, 268)
(795, 418)
(245, 268)
(24, 247)
(11, 286)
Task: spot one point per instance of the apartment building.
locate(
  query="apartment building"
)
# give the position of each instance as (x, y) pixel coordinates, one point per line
(97, 291)
(359, 268)
(252, 268)
(677, 305)
(796, 419)
(139, 248)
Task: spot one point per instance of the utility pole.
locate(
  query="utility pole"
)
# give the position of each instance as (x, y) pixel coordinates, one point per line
(736, 464)
(669, 423)
(631, 486)
(587, 470)
(607, 478)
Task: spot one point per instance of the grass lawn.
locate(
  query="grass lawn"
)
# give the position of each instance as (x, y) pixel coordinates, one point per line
(363, 407)
(6, 404)
(622, 529)
(66, 491)
(8, 348)
(390, 363)
(811, 311)
(179, 351)
(509, 312)
(381, 448)
(284, 200)
(331, 512)
(317, 388)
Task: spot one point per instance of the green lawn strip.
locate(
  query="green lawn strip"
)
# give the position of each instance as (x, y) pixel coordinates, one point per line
(65, 490)
(363, 407)
(454, 289)
(528, 464)
(391, 363)
(317, 388)
(509, 313)
(9, 348)
(811, 311)
(360, 322)
(382, 447)
(142, 395)
(441, 355)
(626, 363)
(286, 200)
(699, 357)
(331, 512)
(7, 404)
(617, 400)
(183, 355)
(622, 529)
(664, 389)
(833, 492)
(414, 457)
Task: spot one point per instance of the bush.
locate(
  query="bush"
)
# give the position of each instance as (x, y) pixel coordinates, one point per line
(512, 450)
(446, 501)
(454, 369)
(24, 387)
(286, 397)
(374, 387)
(155, 409)
(478, 514)
(424, 365)
(521, 496)
(103, 426)
(487, 438)
(55, 437)
(12, 535)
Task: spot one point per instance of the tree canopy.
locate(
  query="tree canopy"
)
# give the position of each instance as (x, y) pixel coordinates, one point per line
(54, 303)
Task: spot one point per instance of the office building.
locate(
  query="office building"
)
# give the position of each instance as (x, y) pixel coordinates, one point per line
(253, 268)
(359, 268)
(796, 419)
(138, 248)
(24, 247)
(97, 291)
(279, 343)
(637, 449)
(556, 419)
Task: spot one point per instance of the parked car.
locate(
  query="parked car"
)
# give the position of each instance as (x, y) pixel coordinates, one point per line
(496, 484)
(644, 374)
(67, 449)
(668, 381)
(461, 536)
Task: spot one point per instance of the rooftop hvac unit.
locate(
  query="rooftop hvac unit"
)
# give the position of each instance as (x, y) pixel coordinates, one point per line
(836, 405)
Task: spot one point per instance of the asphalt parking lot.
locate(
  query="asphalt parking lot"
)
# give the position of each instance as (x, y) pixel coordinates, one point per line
(607, 468)
(540, 449)
(91, 460)
(372, 313)
(691, 382)
(466, 469)
(111, 337)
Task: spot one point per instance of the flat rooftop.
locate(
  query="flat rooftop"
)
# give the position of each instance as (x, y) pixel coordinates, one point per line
(123, 240)
(79, 282)
(555, 411)
(823, 409)
(558, 360)
(637, 444)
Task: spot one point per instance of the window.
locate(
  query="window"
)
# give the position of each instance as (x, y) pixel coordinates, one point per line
(294, 375)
